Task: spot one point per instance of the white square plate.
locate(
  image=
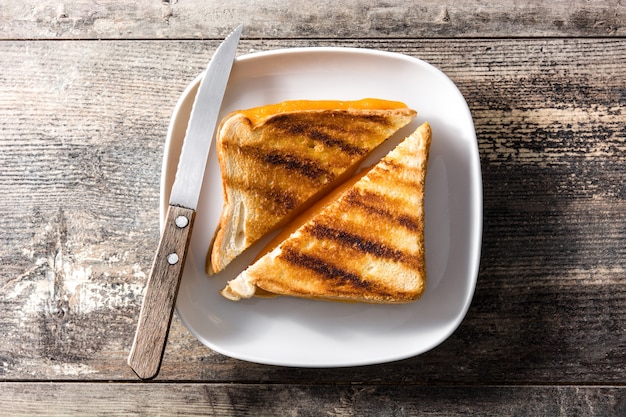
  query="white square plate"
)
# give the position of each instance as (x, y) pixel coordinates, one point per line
(296, 332)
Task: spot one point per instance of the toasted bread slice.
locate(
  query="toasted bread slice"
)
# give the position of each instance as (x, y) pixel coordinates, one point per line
(276, 160)
(363, 243)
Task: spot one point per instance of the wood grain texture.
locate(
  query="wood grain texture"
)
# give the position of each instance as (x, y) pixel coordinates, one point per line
(198, 19)
(82, 126)
(84, 399)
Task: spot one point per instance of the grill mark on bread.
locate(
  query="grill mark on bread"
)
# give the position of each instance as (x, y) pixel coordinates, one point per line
(409, 222)
(373, 203)
(393, 167)
(359, 243)
(323, 268)
(311, 132)
(283, 201)
(310, 127)
(305, 167)
(403, 181)
(330, 141)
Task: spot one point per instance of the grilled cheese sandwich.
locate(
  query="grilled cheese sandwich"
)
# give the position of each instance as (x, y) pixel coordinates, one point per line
(363, 243)
(277, 160)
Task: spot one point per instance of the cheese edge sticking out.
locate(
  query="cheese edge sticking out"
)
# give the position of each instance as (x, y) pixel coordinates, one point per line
(257, 115)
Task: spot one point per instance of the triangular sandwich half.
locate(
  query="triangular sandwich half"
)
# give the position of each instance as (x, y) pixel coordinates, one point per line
(362, 243)
(278, 159)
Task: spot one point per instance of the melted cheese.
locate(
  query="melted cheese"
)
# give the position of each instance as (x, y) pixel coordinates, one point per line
(258, 114)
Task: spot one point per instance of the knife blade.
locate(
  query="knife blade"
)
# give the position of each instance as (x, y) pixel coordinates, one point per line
(161, 291)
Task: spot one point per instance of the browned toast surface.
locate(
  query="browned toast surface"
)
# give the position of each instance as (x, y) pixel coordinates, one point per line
(365, 245)
(273, 170)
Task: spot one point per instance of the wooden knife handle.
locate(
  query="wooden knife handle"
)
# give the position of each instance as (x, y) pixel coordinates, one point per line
(160, 297)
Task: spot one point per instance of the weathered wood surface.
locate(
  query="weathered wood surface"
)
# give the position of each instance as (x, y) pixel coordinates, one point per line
(198, 19)
(28, 399)
(82, 128)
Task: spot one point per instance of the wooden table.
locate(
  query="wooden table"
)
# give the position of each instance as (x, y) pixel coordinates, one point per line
(86, 93)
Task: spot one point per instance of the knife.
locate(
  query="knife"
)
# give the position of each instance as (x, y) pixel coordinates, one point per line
(162, 289)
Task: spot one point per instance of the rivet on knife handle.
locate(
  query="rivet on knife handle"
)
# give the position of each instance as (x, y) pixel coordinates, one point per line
(158, 304)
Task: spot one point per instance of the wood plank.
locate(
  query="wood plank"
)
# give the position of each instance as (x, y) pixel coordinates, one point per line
(197, 19)
(79, 211)
(88, 399)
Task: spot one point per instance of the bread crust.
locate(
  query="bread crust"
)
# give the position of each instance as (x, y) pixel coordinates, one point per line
(366, 246)
(273, 171)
